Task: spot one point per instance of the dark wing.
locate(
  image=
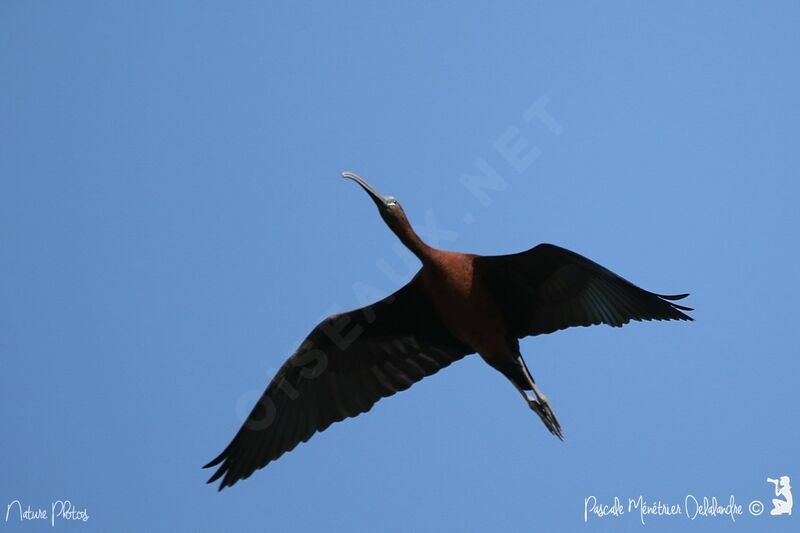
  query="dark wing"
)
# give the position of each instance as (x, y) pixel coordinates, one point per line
(549, 288)
(345, 365)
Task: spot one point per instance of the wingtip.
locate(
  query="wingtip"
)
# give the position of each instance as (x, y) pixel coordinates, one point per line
(673, 296)
(214, 462)
(221, 457)
(219, 487)
(222, 484)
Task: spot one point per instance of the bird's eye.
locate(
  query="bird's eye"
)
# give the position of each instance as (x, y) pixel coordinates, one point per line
(391, 200)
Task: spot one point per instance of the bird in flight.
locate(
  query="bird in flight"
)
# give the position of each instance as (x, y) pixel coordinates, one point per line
(457, 304)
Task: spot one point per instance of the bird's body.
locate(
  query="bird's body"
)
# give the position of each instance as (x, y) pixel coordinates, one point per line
(463, 301)
(457, 304)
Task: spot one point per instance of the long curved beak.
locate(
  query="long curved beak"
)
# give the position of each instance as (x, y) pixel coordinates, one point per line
(377, 198)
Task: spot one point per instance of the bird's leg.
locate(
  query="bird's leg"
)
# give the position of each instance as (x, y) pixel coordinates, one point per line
(540, 405)
(542, 408)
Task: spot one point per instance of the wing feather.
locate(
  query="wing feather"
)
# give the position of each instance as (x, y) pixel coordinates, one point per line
(400, 340)
(549, 288)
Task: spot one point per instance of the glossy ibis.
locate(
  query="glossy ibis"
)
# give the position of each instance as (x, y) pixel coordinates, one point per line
(456, 305)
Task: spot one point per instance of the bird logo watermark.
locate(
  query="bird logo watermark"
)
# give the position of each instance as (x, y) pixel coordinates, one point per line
(782, 503)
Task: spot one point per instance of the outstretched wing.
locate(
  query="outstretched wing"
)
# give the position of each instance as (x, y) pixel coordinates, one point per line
(345, 365)
(548, 288)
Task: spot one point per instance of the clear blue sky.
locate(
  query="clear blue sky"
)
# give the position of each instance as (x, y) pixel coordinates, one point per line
(172, 224)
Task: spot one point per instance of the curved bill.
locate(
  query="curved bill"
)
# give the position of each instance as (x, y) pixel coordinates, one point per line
(377, 198)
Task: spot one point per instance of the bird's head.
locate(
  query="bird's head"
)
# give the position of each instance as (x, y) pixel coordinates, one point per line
(388, 206)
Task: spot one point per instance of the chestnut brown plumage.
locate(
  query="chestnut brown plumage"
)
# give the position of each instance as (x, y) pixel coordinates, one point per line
(456, 305)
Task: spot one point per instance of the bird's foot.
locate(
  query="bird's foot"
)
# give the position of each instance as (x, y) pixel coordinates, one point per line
(542, 408)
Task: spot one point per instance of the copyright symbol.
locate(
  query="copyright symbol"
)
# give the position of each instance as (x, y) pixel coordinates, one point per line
(756, 507)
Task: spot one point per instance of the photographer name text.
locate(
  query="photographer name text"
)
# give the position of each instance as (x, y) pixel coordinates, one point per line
(692, 508)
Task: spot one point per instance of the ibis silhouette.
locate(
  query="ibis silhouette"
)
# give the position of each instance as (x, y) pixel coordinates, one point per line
(457, 304)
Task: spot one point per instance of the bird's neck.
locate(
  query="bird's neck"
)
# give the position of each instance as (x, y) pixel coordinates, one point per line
(412, 241)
